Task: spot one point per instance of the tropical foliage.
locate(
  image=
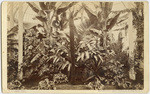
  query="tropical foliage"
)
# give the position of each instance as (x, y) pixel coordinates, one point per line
(58, 51)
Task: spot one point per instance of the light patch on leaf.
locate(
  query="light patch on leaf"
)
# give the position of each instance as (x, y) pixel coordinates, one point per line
(54, 59)
(82, 56)
(96, 58)
(90, 48)
(87, 55)
(78, 58)
(69, 66)
(100, 58)
(64, 65)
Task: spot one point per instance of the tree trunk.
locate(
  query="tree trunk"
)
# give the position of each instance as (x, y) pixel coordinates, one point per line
(104, 40)
(72, 48)
(20, 42)
(131, 48)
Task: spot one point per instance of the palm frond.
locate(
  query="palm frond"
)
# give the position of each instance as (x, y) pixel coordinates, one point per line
(12, 48)
(43, 6)
(90, 78)
(106, 8)
(61, 10)
(91, 16)
(120, 21)
(42, 19)
(12, 43)
(35, 57)
(64, 65)
(122, 28)
(75, 14)
(112, 22)
(12, 40)
(10, 35)
(34, 7)
(13, 29)
(52, 5)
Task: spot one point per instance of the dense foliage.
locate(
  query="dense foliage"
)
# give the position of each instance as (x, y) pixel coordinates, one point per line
(84, 55)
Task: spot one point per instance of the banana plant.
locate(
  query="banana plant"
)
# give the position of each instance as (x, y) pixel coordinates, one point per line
(67, 53)
(101, 21)
(64, 55)
(92, 49)
(49, 13)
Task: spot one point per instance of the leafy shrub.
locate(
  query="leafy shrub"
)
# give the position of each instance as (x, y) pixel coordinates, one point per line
(96, 85)
(109, 65)
(46, 85)
(12, 53)
(12, 69)
(36, 58)
(139, 86)
(15, 85)
(60, 78)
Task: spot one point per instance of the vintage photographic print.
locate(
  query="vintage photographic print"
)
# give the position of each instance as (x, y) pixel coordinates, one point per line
(92, 45)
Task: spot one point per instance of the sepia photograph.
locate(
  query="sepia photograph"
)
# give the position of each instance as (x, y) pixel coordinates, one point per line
(75, 45)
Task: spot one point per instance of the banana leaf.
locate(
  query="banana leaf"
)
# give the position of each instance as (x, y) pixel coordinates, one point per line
(61, 10)
(112, 22)
(43, 6)
(33, 6)
(91, 16)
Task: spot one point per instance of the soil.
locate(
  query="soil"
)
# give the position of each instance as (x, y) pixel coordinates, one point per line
(72, 87)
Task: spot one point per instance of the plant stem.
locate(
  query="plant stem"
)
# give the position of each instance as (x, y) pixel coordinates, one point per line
(72, 48)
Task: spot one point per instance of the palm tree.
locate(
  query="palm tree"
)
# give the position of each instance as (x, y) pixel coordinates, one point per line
(20, 41)
(13, 43)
